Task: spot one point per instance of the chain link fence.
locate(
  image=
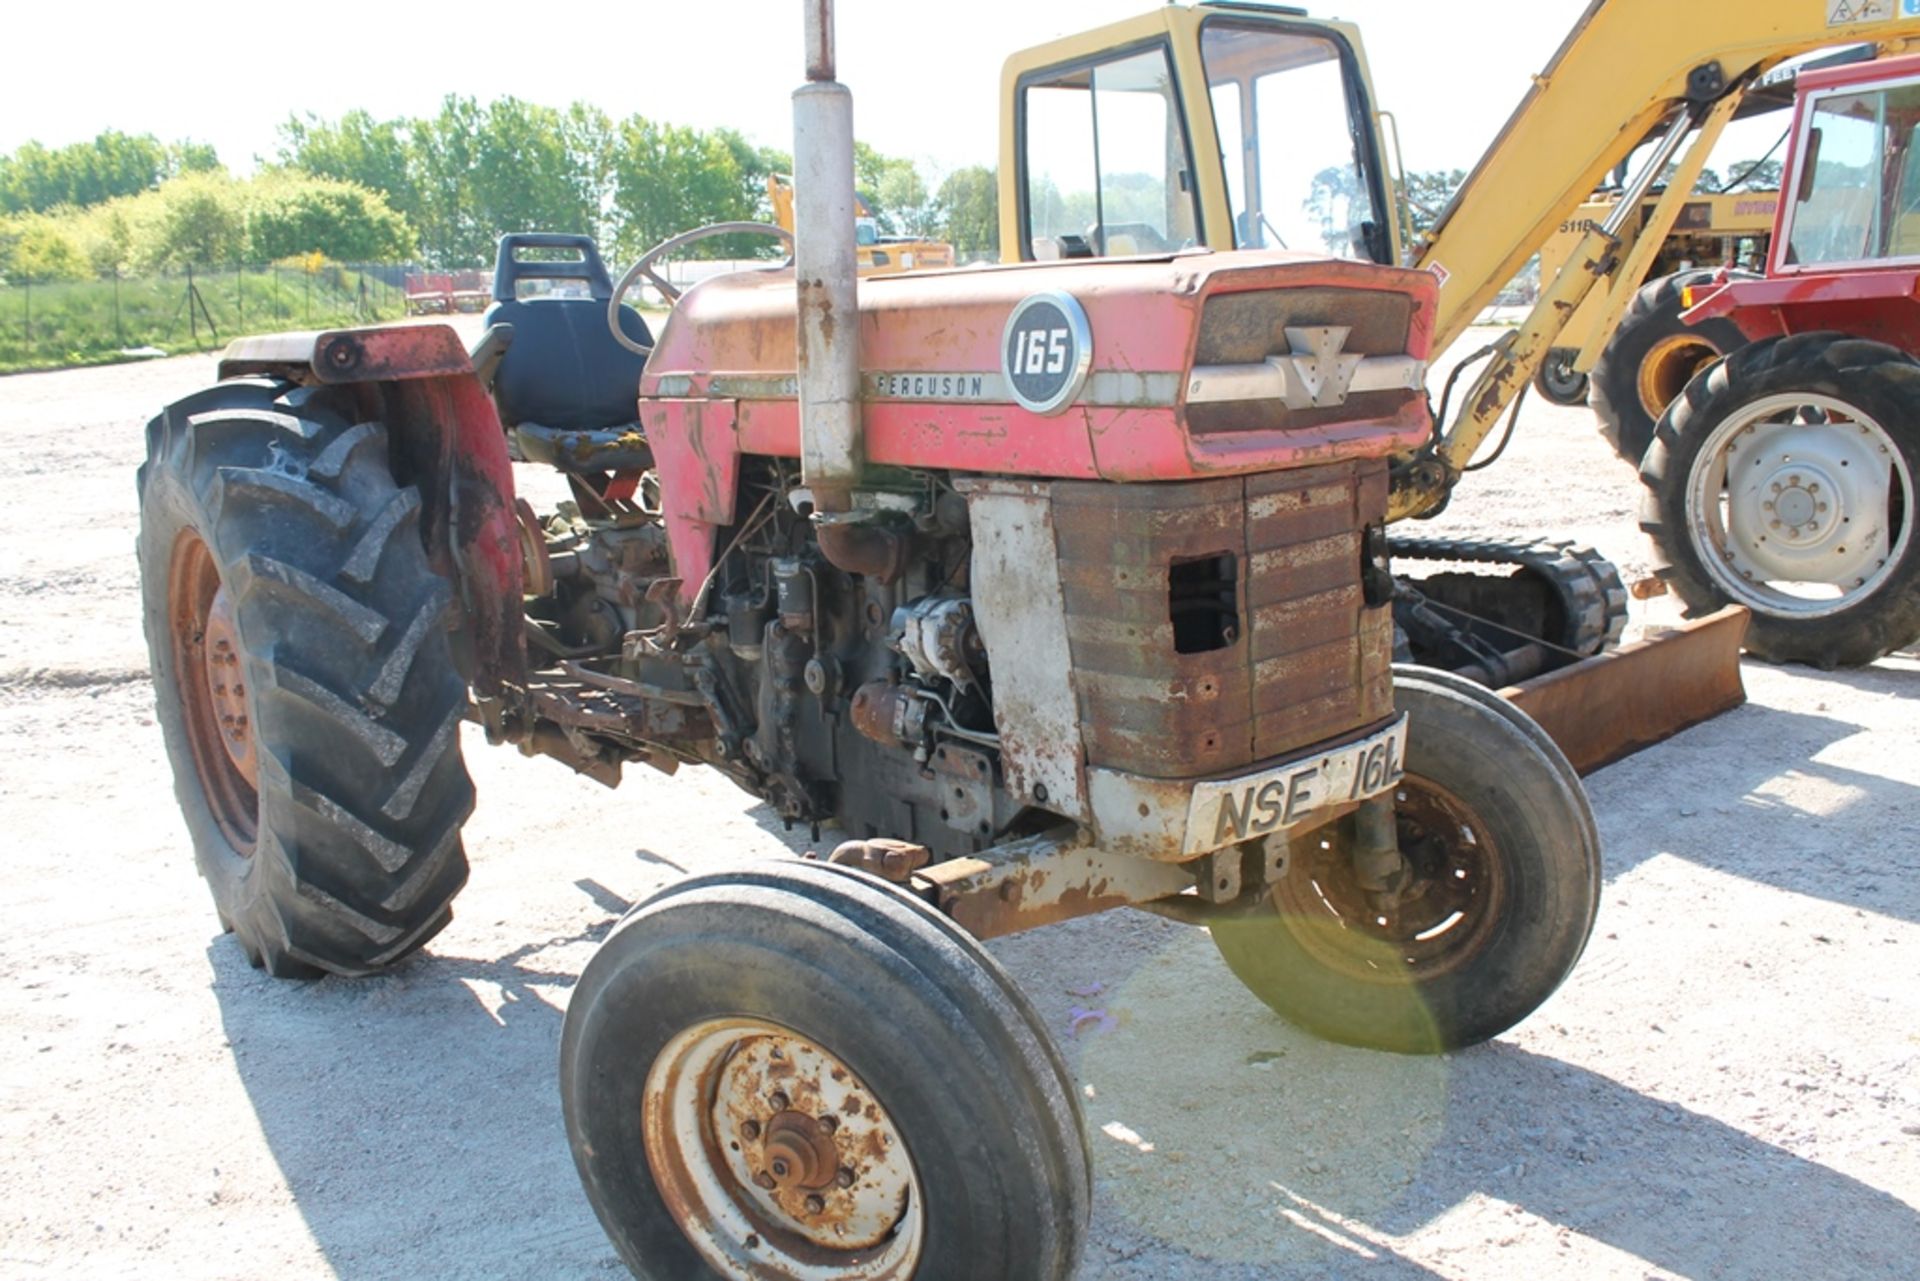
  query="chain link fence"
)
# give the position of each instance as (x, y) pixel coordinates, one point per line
(80, 322)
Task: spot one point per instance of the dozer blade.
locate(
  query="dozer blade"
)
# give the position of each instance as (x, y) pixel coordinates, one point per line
(1612, 706)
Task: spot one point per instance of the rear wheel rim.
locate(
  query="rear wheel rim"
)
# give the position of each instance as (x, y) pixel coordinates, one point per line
(1441, 919)
(1668, 367)
(776, 1160)
(209, 674)
(1800, 505)
(1561, 379)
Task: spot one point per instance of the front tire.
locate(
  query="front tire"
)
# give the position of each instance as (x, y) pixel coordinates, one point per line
(1783, 480)
(1506, 881)
(1650, 359)
(800, 1071)
(302, 678)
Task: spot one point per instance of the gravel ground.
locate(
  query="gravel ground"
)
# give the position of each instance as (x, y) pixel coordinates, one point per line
(1729, 1085)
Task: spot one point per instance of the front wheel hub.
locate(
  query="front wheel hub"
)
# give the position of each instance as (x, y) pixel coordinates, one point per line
(777, 1160)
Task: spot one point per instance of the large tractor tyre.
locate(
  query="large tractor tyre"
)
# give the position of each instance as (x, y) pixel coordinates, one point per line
(797, 1070)
(1503, 885)
(1651, 358)
(1558, 382)
(1783, 480)
(302, 678)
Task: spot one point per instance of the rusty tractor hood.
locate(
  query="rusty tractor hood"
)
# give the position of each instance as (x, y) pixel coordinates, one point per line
(1194, 364)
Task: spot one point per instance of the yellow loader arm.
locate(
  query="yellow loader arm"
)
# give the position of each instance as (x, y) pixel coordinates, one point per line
(1622, 72)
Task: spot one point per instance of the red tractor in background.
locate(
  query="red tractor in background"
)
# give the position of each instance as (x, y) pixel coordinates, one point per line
(1782, 478)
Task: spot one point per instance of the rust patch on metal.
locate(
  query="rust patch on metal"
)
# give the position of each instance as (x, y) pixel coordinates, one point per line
(1612, 706)
(209, 671)
(1041, 881)
(888, 859)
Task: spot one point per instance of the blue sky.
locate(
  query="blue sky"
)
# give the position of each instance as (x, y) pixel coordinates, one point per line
(925, 75)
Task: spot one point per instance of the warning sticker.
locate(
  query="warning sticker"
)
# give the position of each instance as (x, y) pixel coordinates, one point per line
(1841, 13)
(1441, 273)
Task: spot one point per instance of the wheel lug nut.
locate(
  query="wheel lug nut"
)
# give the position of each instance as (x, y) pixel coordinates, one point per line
(829, 1122)
(765, 1180)
(751, 1129)
(1773, 525)
(777, 1101)
(815, 1205)
(1766, 507)
(845, 1177)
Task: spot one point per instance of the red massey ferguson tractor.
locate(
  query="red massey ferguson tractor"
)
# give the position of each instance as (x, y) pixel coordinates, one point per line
(954, 568)
(1782, 478)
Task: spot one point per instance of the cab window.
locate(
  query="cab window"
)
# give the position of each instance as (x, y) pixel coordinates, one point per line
(1292, 142)
(1858, 192)
(1106, 160)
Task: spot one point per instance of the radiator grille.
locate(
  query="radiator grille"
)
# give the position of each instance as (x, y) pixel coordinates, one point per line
(1307, 661)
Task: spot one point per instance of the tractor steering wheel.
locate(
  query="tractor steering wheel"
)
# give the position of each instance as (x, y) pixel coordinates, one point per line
(645, 268)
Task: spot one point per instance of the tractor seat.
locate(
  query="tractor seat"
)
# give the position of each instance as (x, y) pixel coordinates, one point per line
(564, 369)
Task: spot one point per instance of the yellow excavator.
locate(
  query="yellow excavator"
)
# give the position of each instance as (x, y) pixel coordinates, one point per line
(1235, 125)
(875, 254)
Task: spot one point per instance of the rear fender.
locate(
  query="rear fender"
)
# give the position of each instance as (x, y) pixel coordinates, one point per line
(447, 440)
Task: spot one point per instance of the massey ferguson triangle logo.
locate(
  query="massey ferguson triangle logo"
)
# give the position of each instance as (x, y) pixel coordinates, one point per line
(1319, 370)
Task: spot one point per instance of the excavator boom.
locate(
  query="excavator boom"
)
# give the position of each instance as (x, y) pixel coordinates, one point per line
(1624, 69)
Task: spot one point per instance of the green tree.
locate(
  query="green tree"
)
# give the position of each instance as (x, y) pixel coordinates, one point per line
(40, 251)
(669, 179)
(376, 154)
(1428, 192)
(970, 200)
(293, 214)
(1756, 175)
(36, 178)
(198, 220)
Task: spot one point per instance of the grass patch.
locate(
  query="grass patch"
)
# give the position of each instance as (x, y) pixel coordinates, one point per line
(96, 321)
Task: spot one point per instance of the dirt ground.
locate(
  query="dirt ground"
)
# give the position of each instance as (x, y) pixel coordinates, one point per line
(1728, 1087)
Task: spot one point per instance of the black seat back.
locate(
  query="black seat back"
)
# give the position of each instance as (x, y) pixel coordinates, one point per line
(564, 368)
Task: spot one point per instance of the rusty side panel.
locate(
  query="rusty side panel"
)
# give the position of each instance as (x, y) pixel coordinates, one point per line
(1610, 707)
(1145, 708)
(1309, 659)
(1322, 658)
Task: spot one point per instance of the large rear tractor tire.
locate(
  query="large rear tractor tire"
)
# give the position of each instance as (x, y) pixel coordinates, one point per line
(1504, 863)
(1783, 480)
(799, 1071)
(1651, 358)
(302, 678)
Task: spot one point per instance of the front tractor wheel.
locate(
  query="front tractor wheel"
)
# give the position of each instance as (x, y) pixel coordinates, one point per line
(799, 1072)
(1783, 480)
(302, 678)
(1497, 897)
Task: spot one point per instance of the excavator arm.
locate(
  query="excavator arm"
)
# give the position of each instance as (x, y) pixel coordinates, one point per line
(1623, 71)
(1612, 85)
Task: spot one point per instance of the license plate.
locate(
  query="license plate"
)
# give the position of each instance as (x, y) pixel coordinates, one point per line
(1296, 794)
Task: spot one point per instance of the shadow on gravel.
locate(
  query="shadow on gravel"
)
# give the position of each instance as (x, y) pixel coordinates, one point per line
(1690, 1195)
(1260, 1151)
(1852, 838)
(416, 1116)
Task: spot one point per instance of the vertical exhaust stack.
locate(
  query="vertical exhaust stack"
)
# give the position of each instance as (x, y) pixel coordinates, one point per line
(825, 267)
